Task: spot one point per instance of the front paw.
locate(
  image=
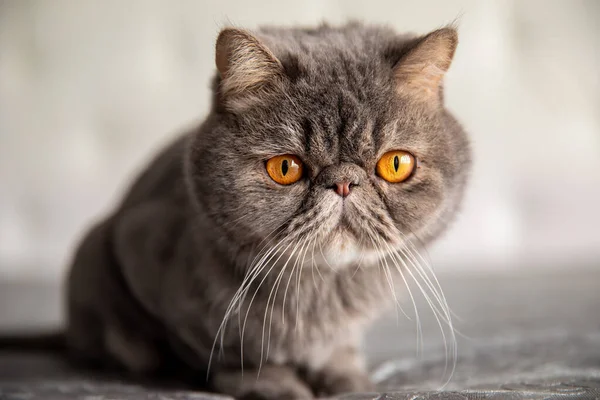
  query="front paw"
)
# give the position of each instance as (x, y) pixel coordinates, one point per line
(273, 383)
(335, 382)
(277, 392)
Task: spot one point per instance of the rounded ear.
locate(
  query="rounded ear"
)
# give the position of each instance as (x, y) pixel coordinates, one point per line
(244, 63)
(420, 71)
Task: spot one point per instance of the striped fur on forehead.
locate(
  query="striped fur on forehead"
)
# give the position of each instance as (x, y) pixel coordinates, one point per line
(404, 134)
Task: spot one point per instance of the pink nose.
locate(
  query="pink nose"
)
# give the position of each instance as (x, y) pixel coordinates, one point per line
(342, 188)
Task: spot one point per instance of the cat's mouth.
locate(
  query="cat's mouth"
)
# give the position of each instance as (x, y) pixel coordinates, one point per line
(343, 233)
(357, 235)
(344, 246)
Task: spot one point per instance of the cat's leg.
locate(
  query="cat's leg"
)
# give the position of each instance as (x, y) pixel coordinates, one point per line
(130, 350)
(274, 382)
(105, 325)
(344, 372)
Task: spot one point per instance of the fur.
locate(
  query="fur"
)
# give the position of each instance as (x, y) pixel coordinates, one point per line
(175, 270)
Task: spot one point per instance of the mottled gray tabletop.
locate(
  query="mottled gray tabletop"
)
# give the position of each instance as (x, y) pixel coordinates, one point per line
(531, 335)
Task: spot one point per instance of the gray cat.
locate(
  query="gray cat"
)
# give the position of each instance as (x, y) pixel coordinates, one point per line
(256, 248)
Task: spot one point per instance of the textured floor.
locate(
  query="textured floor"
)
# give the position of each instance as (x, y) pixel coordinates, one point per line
(526, 336)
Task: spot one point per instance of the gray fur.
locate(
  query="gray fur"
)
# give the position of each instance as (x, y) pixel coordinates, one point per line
(153, 280)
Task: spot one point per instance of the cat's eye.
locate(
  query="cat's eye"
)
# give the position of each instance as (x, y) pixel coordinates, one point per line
(396, 166)
(285, 169)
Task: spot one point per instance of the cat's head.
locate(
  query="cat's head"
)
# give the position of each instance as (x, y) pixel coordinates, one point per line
(329, 140)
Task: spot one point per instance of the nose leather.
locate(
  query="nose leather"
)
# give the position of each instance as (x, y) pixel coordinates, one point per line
(342, 188)
(341, 178)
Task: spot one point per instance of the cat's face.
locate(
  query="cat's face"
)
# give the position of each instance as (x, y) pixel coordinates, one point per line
(296, 164)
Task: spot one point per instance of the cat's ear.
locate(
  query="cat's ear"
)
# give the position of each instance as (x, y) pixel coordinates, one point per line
(244, 63)
(420, 71)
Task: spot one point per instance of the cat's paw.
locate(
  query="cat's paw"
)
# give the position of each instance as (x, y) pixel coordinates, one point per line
(278, 392)
(343, 373)
(332, 383)
(273, 383)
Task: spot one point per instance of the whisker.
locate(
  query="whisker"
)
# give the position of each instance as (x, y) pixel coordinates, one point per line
(386, 269)
(442, 330)
(249, 279)
(261, 264)
(362, 257)
(317, 264)
(325, 258)
(445, 313)
(251, 274)
(412, 298)
(221, 330)
(256, 292)
(446, 318)
(290, 279)
(312, 269)
(276, 288)
(383, 259)
(427, 264)
(298, 278)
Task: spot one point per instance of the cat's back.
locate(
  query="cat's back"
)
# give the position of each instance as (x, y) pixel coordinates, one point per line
(161, 179)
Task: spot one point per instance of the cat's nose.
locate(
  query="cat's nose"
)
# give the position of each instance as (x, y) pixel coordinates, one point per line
(343, 188)
(341, 178)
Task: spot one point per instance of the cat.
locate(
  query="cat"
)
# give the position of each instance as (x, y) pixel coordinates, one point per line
(257, 248)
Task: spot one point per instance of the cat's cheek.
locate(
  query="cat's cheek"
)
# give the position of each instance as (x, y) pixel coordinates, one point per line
(280, 201)
(385, 189)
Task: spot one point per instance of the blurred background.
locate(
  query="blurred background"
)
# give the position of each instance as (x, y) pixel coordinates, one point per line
(89, 89)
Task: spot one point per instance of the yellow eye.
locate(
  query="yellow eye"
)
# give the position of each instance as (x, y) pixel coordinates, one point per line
(285, 170)
(396, 166)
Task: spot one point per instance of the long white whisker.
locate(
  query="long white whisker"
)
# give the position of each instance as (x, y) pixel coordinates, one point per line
(290, 279)
(312, 269)
(446, 317)
(276, 288)
(435, 314)
(298, 278)
(325, 258)
(316, 264)
(264, 260)
(221, 330)
(382, 259)
(240, 296)
(412, 298)
(444, 313)
(429, 267)
(251, 274)
(362, 257)
(386, 271)
(256, 292)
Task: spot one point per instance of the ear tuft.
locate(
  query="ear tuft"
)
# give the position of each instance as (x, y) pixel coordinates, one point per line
(420, 72)
(244, 63)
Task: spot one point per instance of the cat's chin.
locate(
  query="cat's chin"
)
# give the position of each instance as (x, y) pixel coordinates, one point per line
(342, 250)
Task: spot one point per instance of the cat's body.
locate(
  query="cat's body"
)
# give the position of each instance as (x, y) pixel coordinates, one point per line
(155, 280)
(152, 236)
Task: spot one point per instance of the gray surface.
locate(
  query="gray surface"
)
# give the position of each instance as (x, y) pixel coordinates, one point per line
(531, 336)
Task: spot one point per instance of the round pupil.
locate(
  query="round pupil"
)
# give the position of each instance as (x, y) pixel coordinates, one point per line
(284, 167)
(396, 163)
